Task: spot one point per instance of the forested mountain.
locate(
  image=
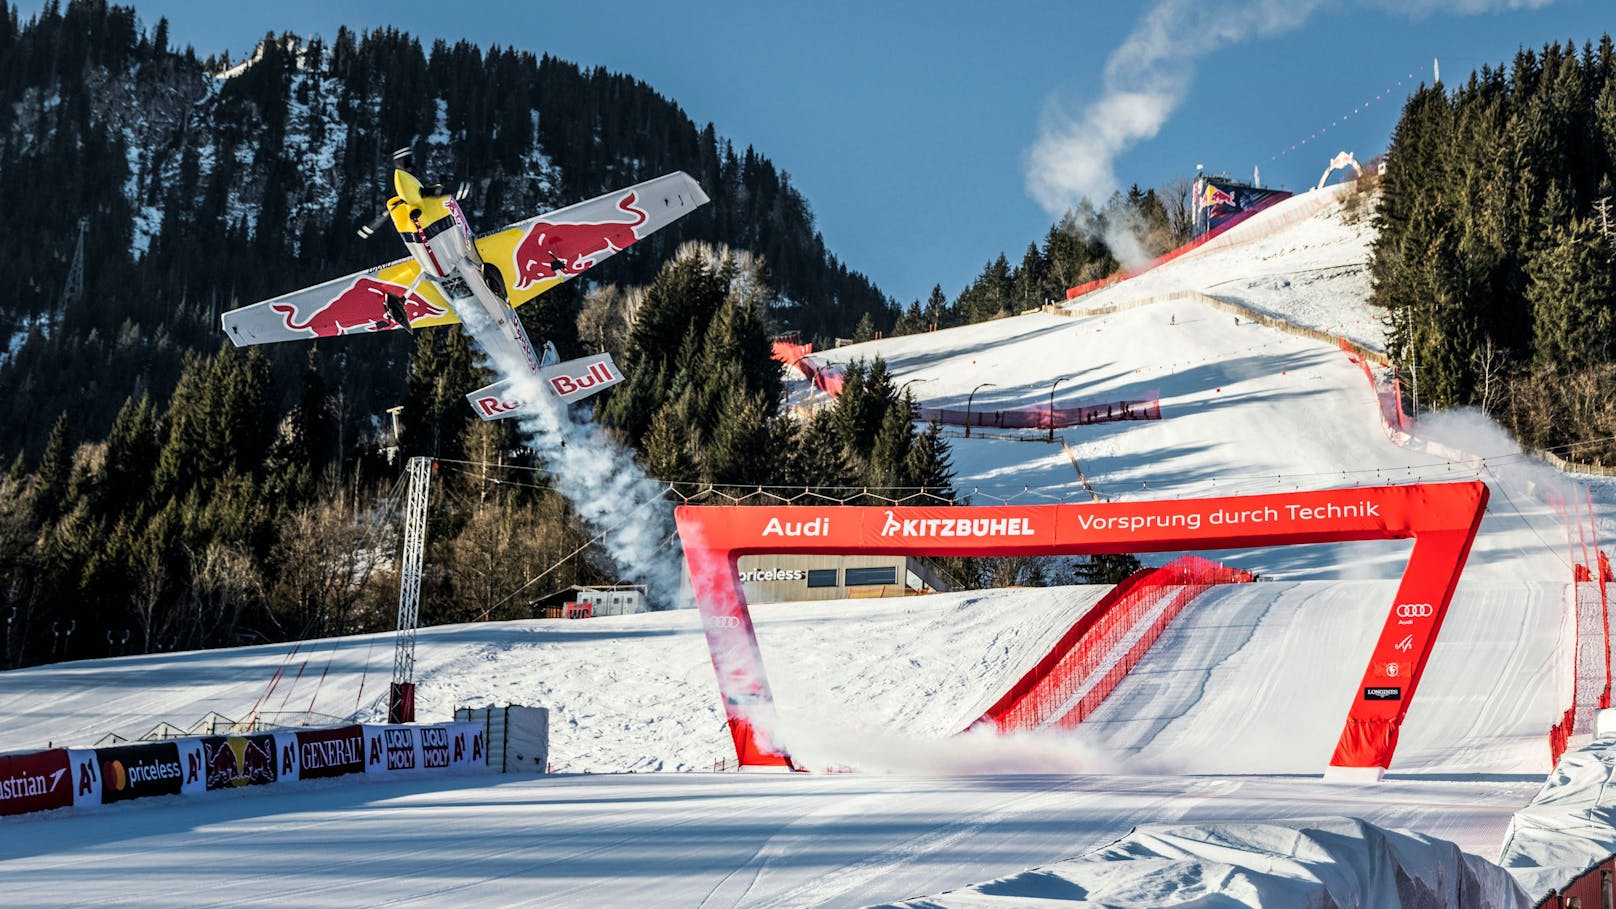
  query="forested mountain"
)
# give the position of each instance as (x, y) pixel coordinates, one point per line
(1496, 246)
(207, 185)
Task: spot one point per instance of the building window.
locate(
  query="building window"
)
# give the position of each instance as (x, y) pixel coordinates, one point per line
(869, 577)
(821, 577)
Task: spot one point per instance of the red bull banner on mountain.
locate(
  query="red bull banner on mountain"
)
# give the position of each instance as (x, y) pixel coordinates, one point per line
(1218, 201)
(1442, 519)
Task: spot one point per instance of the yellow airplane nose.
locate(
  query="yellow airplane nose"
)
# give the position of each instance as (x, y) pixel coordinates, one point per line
(407, 187)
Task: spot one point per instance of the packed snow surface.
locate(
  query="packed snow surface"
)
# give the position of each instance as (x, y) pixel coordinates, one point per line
(1250, 680)
(1311, 862)
(661, 840)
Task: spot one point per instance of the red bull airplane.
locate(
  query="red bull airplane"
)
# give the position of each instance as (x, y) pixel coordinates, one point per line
(451, 271)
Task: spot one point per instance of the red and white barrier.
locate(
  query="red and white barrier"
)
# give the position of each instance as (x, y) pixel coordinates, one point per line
(1105, 644)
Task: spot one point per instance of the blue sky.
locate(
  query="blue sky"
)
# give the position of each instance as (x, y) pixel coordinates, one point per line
(908, 125)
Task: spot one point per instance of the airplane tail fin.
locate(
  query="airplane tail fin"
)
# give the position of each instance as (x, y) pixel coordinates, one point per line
(570, 381)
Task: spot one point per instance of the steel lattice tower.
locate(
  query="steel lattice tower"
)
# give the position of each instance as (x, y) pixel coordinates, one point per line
(401, 704)
(73, 290)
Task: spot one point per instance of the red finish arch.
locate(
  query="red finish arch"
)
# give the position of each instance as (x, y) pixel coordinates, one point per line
(1441, 518)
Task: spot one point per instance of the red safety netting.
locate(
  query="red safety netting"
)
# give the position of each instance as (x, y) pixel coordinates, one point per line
(1390, 396)
(1081, 289)
(1044, 417)
(1591, 656)
(827, 377)
(1092, 658)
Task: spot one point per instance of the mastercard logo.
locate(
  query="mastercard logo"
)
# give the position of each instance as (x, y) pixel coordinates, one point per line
(114, 774)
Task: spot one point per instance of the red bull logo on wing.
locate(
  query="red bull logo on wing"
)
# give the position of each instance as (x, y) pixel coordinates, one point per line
(361, 307)
(549, 250)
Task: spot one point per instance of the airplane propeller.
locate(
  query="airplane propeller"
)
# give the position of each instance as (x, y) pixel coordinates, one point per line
(404, 160)
(372, 227)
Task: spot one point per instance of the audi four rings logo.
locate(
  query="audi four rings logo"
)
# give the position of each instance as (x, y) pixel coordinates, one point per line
(1414, 610)
(724, 621)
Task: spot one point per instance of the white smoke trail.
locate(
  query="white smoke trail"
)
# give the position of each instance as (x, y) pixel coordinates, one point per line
(1147, 78)
(602, 480)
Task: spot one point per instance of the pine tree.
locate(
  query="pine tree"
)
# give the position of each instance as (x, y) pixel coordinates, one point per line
(865, 331)
(132, 450)
(48, 495)
(1573, 300)
(666, 451)
(441, 372)
(929, 466)
(890, 452)
(741, 451)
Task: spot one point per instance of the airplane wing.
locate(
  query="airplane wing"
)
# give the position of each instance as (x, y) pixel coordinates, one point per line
(541, 252)
(533, 255)
(353, 304)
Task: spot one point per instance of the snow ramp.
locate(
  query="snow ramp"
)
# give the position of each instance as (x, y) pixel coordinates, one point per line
(1092, 658)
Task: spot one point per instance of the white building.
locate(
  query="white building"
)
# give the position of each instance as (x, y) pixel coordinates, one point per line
(620, 599)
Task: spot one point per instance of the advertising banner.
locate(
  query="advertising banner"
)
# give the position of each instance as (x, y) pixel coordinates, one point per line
(239, 760)
(35, 782)
(392, 749)
(191, 758)
(467, 750)
(1219, 200)
(138, 771)
(286, 765)
(330, 752)
(435, 747)
(86, 773)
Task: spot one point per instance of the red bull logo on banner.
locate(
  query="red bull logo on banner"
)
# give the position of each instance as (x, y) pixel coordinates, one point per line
(362, 306)
(549, 250)
(1216, 195)
(239, 760)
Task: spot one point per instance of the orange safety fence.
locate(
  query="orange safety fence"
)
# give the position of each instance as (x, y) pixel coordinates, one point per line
(1105, 644)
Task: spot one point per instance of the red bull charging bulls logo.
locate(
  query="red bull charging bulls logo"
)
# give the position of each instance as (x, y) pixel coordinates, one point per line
(362, 306)
(1216, 196)
(549, 249)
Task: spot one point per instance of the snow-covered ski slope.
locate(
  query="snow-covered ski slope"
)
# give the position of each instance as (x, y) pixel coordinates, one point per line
(1305, 260)
(624, 692)
(1257, 678)
(1266, 672)
(1253, 679)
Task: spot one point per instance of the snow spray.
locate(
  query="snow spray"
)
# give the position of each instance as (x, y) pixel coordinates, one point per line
(818, 744)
